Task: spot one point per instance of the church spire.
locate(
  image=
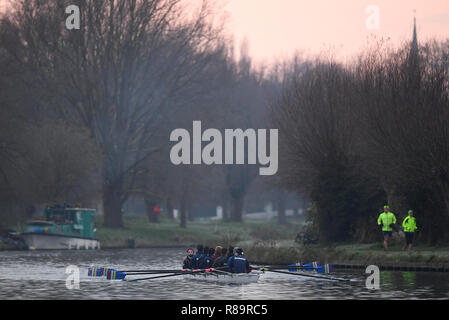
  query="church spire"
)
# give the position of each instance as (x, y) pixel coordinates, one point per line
(415, 36)
(414, 49)
(413, 60)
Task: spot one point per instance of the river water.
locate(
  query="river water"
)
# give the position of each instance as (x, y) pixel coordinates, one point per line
(41, 275)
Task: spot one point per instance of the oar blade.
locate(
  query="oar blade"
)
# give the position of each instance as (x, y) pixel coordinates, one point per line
(328, 268)
(304, 267)
(98, 271)
(95, 271)
(312, 266)
(115, 275)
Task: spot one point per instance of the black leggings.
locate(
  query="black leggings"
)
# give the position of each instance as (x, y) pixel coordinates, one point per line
(409, 237)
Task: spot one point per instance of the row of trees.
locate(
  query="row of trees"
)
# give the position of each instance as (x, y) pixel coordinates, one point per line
(88, 113)
(86, 116)
(375, 131)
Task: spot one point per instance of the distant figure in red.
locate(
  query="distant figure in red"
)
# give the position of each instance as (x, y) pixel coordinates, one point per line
(156, 209)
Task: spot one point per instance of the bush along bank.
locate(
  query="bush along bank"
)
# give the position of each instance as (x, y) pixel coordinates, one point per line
(353, 256)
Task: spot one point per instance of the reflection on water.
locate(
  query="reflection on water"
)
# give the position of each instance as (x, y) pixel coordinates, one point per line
(41, 275)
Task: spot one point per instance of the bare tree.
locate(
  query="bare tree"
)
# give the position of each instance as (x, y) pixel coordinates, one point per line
(318, 145)
(116, 76)
(405, 103)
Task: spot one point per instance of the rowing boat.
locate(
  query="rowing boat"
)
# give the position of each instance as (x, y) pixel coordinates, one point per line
(214, 274)
(224, 277)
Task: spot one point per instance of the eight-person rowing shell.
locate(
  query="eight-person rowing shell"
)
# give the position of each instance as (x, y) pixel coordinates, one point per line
(219, 264)
(216, 265)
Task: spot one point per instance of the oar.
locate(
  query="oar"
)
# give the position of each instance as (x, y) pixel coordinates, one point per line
(149, 278)
(319, 269)
(119, 274)
(173, 275)
(306, 275)
(222, 272)
(327, 268)
(112, 274)
(100, 271)
(152, 271)
(313, 266)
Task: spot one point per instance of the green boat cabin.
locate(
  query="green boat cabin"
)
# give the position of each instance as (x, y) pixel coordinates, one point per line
(72, 222)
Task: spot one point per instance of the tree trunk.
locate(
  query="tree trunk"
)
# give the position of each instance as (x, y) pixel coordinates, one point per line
(282, 219)
(112, 204)
(237, 208)
(183, 213)
(169, 205)
(226, 210)
(190, 215)
(225, 205)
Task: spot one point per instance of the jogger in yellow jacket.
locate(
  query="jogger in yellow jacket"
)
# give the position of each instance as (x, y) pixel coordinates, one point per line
(409, 226)
(386, 219)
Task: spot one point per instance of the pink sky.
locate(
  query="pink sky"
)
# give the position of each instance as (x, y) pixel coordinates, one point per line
(276, 28)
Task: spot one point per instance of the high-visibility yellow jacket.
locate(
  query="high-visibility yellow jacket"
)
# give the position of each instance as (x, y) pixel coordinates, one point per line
(386, 219)
(409, 224)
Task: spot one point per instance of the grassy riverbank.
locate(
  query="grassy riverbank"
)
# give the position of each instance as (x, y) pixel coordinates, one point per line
(211, 233)
(4, 246)
(350, 254)
(265, 242)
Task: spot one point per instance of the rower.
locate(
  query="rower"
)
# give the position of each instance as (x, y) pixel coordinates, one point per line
(230, 255)
(221, 260)
(238, 263)
(216, 254)
(198, 256)
(230, 252)
(206, 260)
(211, 257)
(189, 262)
(205, 251)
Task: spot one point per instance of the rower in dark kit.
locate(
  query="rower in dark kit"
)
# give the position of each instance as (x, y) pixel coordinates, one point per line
(216, 254)
(189, 262)
(221, 260)
(238, 263)
(206, 260)
(198, 257)
(230, 254)
(210, 256)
